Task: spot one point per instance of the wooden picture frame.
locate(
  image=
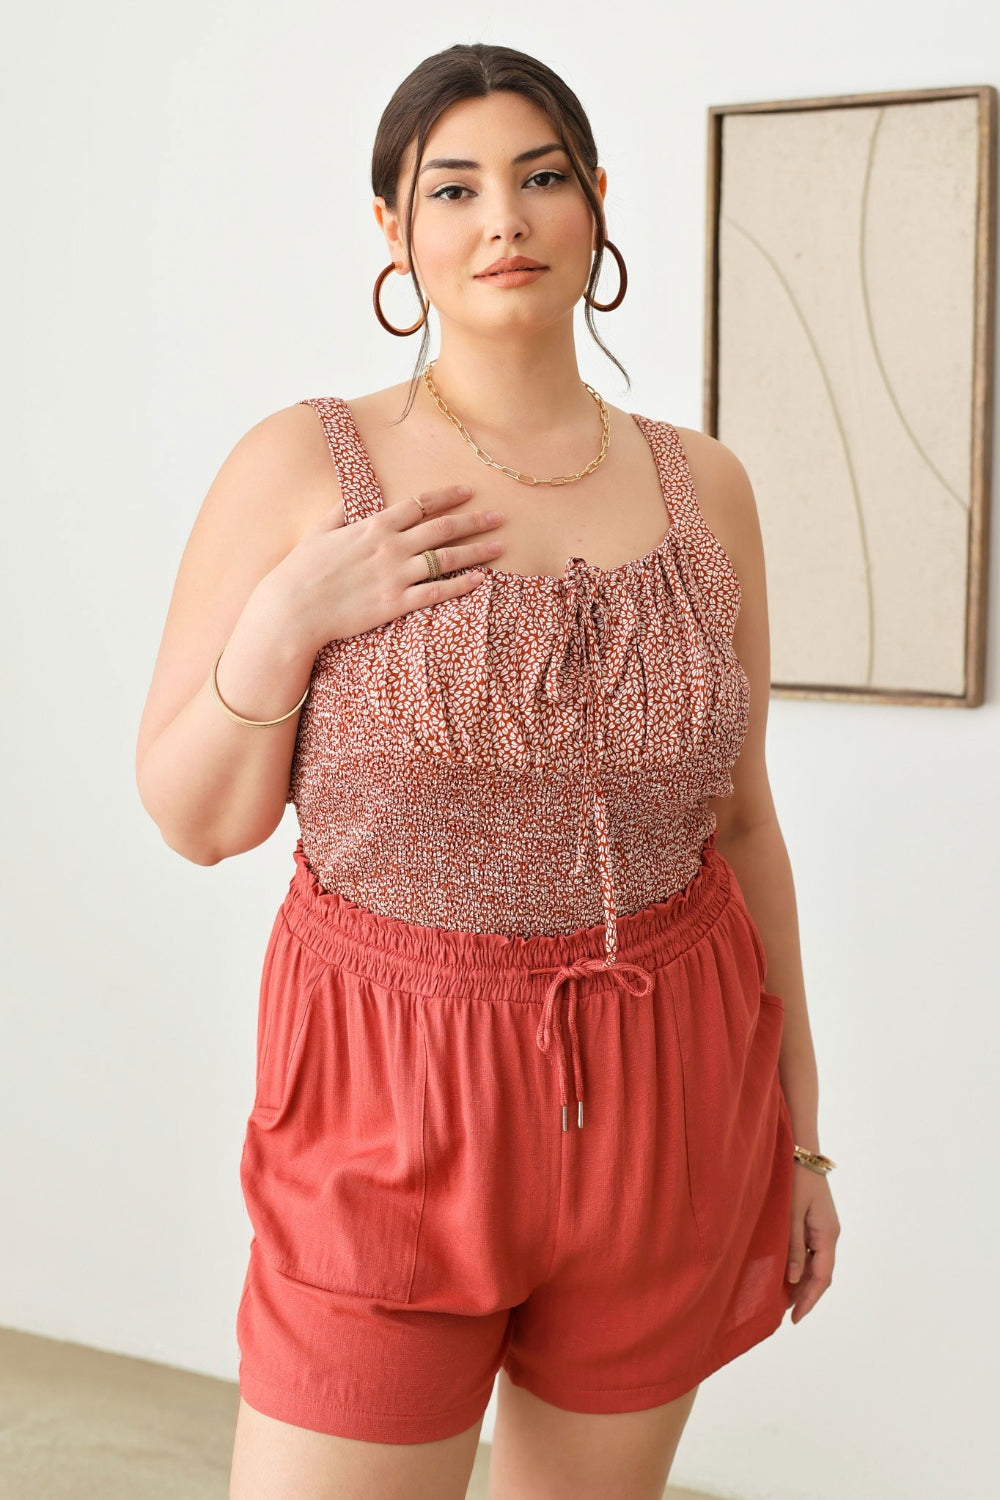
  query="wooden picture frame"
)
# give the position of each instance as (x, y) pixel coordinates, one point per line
(849, 345)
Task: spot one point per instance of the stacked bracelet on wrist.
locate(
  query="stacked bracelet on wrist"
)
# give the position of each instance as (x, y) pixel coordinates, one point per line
(814, 1161)
(254, 723)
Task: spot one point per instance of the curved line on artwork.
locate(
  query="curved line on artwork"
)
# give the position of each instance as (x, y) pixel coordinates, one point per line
(859, 514)
(863, 275)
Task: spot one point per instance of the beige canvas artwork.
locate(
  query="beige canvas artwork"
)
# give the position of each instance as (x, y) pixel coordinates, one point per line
(850, 368)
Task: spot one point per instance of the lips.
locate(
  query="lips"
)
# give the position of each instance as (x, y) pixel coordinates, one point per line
(513, 263)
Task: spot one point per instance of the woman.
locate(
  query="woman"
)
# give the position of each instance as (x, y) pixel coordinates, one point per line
(532, 795)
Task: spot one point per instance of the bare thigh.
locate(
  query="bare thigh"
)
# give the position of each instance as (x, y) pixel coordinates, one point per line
(550, 1454)
(274, 1460)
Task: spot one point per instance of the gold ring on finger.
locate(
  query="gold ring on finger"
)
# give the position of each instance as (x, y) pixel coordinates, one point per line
(421, 504)
(433, 566)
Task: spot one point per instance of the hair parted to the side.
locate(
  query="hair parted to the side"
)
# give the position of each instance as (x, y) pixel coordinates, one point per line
(472, 71)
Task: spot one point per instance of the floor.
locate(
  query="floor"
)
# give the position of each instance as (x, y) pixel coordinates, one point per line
(78, 1422)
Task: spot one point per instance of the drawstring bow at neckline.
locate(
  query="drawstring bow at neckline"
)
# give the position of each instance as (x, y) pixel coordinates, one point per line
(578, 624)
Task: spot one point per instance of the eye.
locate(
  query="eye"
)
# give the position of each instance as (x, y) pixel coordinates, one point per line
(453, 187)
(450, 188)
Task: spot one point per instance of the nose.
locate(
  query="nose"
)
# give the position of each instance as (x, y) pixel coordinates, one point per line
(503, 215)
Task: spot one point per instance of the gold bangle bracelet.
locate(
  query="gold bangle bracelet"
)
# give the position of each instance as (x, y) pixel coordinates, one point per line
(254, 723)
(814, 1160)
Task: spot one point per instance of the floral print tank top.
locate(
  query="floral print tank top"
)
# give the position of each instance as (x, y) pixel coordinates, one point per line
(533, 756)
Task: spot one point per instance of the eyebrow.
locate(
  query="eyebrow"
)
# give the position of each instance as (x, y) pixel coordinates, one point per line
(459, 163)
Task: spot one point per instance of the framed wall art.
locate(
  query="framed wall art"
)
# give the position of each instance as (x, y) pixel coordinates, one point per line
(849, 364)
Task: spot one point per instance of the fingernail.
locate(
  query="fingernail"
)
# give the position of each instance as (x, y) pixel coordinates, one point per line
(465, 489)
(794, 1272)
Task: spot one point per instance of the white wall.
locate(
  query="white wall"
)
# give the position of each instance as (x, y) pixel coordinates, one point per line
(193, 247)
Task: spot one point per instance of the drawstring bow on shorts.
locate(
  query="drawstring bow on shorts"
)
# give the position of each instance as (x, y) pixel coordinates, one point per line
(549, 1027)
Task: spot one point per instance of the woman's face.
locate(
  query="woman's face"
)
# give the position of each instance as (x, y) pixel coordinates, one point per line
(466, 217)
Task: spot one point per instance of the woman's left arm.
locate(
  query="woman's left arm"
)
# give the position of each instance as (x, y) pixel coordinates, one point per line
(760, 860)
(750, 839)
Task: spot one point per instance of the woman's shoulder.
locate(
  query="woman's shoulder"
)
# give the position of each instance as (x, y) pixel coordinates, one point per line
(696, 444)
(295, 444)
(709, 449)
(712, 464)
(321, 427)
(720, 485)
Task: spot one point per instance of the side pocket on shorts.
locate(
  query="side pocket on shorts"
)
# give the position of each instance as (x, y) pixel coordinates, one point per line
(755, 937)
(289, 972)
(729, 1030)
(333, 1173)
(758, 947)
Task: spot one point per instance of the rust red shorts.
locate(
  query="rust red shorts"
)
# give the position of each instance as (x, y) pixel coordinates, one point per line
(427, 1206)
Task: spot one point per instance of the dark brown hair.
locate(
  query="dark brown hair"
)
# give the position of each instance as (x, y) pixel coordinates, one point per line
(472, 71)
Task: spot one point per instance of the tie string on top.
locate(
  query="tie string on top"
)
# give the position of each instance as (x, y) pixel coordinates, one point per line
(579, 625)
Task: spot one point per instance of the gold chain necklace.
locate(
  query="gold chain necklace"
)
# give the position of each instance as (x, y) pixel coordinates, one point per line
(516, 473)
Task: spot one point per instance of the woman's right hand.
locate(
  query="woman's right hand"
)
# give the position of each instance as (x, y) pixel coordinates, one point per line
(340, 580)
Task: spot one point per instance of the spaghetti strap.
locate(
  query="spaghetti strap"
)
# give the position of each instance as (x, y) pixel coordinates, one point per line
(708, 557)
(359, 486)
(684, 505)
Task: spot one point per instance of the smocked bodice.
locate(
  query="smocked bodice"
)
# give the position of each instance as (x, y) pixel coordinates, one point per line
(533, 756)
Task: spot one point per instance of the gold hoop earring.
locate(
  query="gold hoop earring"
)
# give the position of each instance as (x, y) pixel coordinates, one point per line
(400, 332)
(623, 275)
